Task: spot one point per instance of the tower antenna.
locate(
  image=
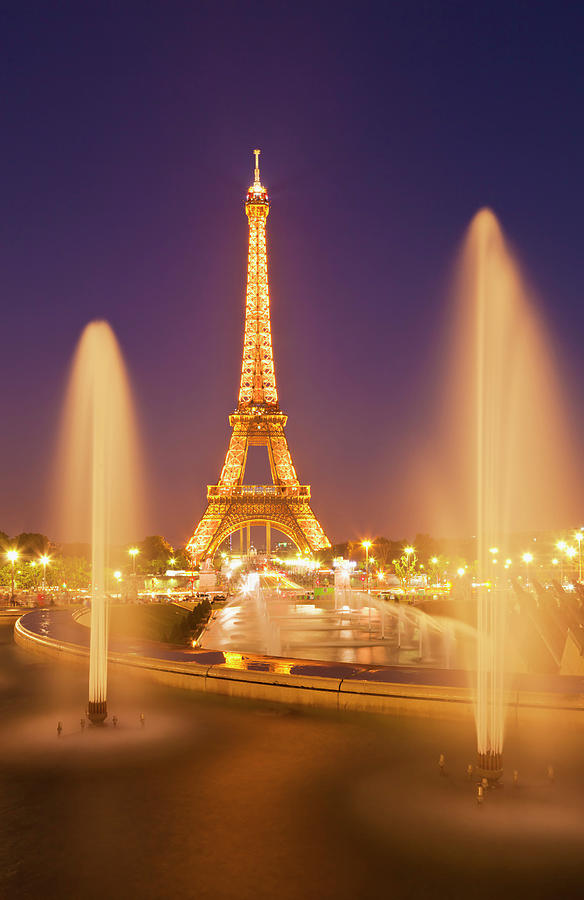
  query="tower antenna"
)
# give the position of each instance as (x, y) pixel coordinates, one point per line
(257, 166)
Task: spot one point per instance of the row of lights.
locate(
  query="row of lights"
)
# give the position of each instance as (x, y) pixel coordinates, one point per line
(13, 555)
(569, 551)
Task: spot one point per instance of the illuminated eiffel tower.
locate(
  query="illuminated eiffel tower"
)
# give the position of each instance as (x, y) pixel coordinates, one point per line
(232, 505)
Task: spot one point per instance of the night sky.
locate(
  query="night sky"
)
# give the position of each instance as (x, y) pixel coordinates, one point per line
(127, 138)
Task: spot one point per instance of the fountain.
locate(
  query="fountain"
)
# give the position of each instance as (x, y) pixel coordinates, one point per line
(98, 460)
(520, 446)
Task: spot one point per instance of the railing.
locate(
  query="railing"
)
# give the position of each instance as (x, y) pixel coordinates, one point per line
(277, 491)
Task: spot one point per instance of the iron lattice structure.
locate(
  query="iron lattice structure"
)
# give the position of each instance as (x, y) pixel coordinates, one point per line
(257, 421)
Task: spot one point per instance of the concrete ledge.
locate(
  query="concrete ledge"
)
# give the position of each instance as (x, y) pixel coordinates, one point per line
(274, 686)
(425, 700)
(274, 681)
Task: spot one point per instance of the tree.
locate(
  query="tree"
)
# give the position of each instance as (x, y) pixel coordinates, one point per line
(32, 543)
(426, 547)
(155, 547)
(435, 568)
(182, 560)
(405, 567)
(382, 551)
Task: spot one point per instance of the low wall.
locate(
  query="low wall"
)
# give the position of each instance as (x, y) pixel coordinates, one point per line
(343, 694)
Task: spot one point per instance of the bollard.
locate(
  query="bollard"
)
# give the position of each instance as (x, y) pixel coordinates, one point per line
(442, 763)
(59, 728)
(515, 777)
(142, 719)
(480, 794)
(469, 771)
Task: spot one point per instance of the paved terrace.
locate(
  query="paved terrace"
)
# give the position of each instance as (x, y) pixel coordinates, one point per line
(372, 688)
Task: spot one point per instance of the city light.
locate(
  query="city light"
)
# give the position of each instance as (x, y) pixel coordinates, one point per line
(367, 545)
(133, 551)
(527, 558)
(12, 556)
(579, 537)
(44, 563)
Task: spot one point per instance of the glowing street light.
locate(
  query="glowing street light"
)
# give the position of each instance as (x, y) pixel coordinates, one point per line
(366, 545)
(561, 545)
(133, 551)
(527, 558)
(44, 563)
(570, 553)
(12, 556)
(579, 536)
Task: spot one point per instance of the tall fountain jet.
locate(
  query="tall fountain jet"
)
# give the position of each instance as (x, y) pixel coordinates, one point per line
(520, 446)
(100, 462)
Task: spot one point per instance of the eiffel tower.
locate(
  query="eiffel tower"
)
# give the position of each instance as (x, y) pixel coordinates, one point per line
(257, 421)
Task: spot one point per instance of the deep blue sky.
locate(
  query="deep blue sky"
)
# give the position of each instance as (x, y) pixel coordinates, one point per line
(127, 131)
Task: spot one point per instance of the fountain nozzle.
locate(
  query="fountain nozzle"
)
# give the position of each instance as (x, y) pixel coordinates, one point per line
(97, 711)
(490, 766)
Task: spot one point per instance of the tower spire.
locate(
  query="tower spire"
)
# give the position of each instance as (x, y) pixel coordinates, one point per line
(258, 381)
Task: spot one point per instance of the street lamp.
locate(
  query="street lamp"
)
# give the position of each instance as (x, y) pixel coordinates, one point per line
(561, 545)
(118, 577)
(434, 563)
(527, 558)
(366, 545)
(571, 553)
(133, 551)
(12, 556)
(579, 537)
(44, 563)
